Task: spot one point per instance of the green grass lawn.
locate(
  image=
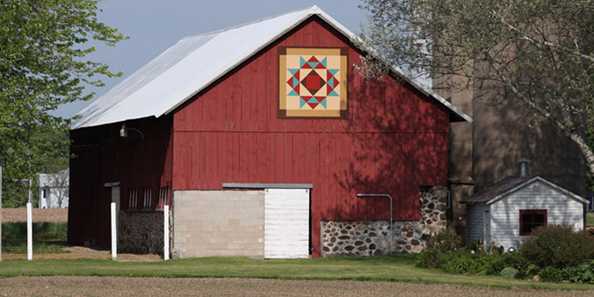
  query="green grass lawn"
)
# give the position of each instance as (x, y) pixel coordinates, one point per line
(47, 237)
(590, 219)
(397, 268)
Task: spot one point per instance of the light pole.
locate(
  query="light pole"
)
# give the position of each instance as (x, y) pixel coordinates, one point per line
(382, 195)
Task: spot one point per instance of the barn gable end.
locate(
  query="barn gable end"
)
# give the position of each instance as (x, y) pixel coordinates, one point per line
(154, 143)
(392, 139)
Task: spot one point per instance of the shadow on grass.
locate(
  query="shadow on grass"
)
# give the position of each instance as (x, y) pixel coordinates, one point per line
(47, 237)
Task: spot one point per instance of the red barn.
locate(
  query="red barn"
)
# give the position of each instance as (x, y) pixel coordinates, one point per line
(265, 140)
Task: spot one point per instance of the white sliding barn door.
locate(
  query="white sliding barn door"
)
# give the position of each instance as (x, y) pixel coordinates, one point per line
(286, 223)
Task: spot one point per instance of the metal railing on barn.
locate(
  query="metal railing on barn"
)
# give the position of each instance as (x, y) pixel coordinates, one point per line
(148, 198)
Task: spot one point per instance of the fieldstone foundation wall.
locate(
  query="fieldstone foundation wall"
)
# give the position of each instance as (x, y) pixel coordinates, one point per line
(369, 238)
(140, 232)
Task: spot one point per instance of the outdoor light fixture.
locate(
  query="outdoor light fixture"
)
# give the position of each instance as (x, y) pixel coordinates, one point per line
(124, 131)
(383, 195)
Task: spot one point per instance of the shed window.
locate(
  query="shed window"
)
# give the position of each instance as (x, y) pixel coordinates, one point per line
(531, 219)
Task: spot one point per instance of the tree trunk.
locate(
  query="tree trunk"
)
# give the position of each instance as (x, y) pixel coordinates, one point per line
(586, 151)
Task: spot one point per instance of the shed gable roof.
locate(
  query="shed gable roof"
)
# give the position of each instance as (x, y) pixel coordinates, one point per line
(172, 78)
(510, 185)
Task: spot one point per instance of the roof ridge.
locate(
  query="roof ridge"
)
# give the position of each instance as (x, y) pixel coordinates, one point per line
(256, 21)
(118, 103)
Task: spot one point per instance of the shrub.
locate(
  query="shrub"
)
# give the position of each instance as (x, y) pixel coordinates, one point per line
(438, 246)
(509, 272)
(583, 273)
(531, 270)
(551, 274)
(461, 262)
(429, 258)
(445, 241)
(559, 247)
(495, 263)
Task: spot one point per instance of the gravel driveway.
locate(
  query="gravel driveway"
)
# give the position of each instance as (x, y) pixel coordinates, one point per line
(128, 287)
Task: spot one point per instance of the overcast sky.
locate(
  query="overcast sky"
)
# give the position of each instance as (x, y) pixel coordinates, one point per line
(154, 25)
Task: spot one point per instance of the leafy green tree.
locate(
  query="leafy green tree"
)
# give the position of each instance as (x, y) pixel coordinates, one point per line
(44, 48)
(540, 52)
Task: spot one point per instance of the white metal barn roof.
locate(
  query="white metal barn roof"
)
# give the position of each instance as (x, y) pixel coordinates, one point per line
(182, 71)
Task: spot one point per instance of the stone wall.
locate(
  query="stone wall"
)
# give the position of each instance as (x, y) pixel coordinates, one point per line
(140, 232)
(369, 238)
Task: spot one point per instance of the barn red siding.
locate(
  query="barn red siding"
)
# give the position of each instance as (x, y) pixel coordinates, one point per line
(100, 156)
(392, 139)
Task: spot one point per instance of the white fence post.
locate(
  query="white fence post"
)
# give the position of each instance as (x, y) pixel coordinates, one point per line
(166, 232)
(29, 231)
(0, 209)
(114, 232)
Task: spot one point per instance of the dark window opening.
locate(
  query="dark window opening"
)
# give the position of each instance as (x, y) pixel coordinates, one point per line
(530, 219)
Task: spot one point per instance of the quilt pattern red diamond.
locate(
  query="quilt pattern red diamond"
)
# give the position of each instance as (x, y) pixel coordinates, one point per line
(313, 82)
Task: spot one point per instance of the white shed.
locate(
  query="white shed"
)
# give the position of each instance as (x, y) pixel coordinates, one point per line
(506, 213)
(53, 189)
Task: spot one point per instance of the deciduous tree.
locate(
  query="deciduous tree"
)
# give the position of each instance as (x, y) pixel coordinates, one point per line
(44, 48)
(540, 52)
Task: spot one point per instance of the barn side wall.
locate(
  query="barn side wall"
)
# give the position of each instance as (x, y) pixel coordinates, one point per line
(143, 160)
(391, 140)
(505, 221)
(368, 238)
(218, 223)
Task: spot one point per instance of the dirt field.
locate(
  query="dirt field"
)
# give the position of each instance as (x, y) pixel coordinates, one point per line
(51, 215)
(129, 287)
(79, 252)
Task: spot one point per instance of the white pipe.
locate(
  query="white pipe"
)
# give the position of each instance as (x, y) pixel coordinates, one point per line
(166, 232)
(114, 232)
(29, 231)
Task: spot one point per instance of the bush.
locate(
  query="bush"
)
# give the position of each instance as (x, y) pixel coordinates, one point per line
(583, 273)
(461, 263)
(552, 274)
(509, 272)
(555, 254)
(558, 247)
(445, 241)
(430, 258)
(496, 263)
(438, 246)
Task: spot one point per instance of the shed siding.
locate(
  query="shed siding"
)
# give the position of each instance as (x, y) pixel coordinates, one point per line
(505, 221)
(392, 140)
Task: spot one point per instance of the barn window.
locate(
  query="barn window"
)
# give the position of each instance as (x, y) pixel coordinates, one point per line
(531, 219)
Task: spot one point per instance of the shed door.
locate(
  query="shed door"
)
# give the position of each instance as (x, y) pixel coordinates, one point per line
(286, 223)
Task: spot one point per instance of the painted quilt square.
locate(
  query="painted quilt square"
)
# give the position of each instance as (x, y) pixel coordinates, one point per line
(313, 82)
